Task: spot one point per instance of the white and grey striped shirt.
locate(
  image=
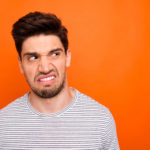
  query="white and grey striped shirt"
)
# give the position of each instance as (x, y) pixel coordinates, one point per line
(83, 125)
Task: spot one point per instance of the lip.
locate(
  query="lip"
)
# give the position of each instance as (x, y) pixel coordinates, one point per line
(46, 82)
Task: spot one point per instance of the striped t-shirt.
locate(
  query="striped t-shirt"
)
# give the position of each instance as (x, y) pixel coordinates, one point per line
(83, 125)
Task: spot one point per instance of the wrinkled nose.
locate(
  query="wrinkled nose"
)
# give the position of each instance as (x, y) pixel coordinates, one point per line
(44, 65)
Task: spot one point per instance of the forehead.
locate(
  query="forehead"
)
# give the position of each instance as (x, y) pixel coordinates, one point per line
(41, 44)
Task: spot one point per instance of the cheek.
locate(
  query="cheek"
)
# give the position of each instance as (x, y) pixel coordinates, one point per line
(62, 66)
(29, 72)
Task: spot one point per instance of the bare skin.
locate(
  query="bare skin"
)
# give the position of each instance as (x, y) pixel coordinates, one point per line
(52, 105)
(43, 63)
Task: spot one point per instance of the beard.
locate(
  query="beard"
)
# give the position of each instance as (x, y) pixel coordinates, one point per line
(48, 91)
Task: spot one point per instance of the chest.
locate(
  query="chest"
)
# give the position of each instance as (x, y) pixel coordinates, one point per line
(52, 133)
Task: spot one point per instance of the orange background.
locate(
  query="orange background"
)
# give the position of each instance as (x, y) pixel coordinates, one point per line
(110, 44)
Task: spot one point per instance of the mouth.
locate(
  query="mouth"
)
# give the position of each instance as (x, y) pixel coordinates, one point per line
(46, 79)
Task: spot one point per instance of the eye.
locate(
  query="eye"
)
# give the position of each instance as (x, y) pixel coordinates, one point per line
(32, 58)
(55, 54)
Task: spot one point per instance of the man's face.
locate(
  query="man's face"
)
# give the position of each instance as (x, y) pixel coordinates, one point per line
(43, 62)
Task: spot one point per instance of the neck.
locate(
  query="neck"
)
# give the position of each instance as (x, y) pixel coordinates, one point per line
(54, 104)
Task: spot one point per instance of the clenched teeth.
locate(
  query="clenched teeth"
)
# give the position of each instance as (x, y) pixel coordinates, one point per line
(47, 79)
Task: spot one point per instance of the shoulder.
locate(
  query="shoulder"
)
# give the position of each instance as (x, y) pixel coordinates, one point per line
(100, 115)
(89, 104)
(13, 107)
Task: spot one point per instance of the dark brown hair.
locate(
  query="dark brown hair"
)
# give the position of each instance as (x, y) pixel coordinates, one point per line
(36, 23)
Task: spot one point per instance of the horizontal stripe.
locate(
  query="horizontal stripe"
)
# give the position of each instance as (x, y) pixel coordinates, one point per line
(83, 125)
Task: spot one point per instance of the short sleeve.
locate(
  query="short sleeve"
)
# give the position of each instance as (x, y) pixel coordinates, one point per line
(110, 140)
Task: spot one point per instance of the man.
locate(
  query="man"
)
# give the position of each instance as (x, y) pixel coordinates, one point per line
(52, 115)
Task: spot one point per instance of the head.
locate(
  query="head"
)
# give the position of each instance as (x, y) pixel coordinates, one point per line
(37, 23)
(42, 45)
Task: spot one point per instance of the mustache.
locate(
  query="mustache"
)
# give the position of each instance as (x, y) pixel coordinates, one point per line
(46, 73)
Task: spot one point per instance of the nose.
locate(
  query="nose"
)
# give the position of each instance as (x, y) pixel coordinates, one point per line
(44, 65)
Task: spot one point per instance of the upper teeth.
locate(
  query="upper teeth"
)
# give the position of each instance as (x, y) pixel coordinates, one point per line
(46, 79)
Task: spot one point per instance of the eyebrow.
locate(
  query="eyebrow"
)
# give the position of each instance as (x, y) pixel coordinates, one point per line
(56, 49)
(37, 54)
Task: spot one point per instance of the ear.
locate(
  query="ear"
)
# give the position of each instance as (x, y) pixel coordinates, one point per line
(20, 64)
(68, 58)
